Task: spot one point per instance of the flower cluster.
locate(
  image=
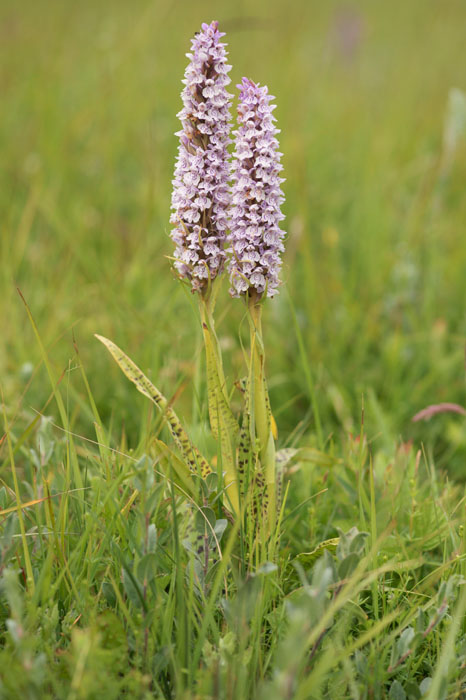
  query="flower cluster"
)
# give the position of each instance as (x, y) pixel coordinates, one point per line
(255, 236)
(201, 196)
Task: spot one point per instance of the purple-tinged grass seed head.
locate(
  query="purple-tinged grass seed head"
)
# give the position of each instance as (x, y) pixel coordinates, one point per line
(255, 235)
(201, 194)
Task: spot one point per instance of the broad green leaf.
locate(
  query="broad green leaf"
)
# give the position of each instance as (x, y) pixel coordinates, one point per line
(273, 424)
(132, 588)
(174, 467)
(243, 456)
(151, 537)
(308, 558)
(204, 520)
(396, 691)
(145, 386)
(223, 423)
(348, 565)
(219, 409)
(147, 567)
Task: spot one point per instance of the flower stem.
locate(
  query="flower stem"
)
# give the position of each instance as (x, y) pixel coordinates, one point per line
(223, 424)
(262, 417)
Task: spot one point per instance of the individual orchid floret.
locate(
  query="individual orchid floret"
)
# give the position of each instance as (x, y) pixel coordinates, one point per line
(255, 235)
(201, 196)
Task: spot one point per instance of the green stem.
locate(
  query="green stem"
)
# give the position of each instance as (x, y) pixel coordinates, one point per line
(208, 327)
(223, 424)
(262, 417)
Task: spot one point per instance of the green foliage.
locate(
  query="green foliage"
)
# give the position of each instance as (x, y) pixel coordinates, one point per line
(145, 593)
(121, 574)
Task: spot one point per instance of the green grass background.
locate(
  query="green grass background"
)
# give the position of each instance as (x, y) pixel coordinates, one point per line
(376, 252)
(371, 318)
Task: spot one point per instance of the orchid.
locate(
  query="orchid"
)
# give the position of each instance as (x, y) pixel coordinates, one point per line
(255, 235)
(200, 196)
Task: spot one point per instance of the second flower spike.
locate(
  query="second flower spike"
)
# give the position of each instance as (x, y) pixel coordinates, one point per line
(255, 234)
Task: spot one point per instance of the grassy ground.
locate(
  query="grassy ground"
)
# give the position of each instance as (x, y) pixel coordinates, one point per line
(370, 321)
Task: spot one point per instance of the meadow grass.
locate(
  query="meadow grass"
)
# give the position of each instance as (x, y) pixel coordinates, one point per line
(103, 592)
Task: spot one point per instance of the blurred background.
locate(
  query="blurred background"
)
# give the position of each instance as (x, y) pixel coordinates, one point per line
(372, 309)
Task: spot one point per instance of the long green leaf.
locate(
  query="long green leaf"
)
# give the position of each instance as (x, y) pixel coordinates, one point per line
(174, 467)
(219, 409)
(144, 385)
